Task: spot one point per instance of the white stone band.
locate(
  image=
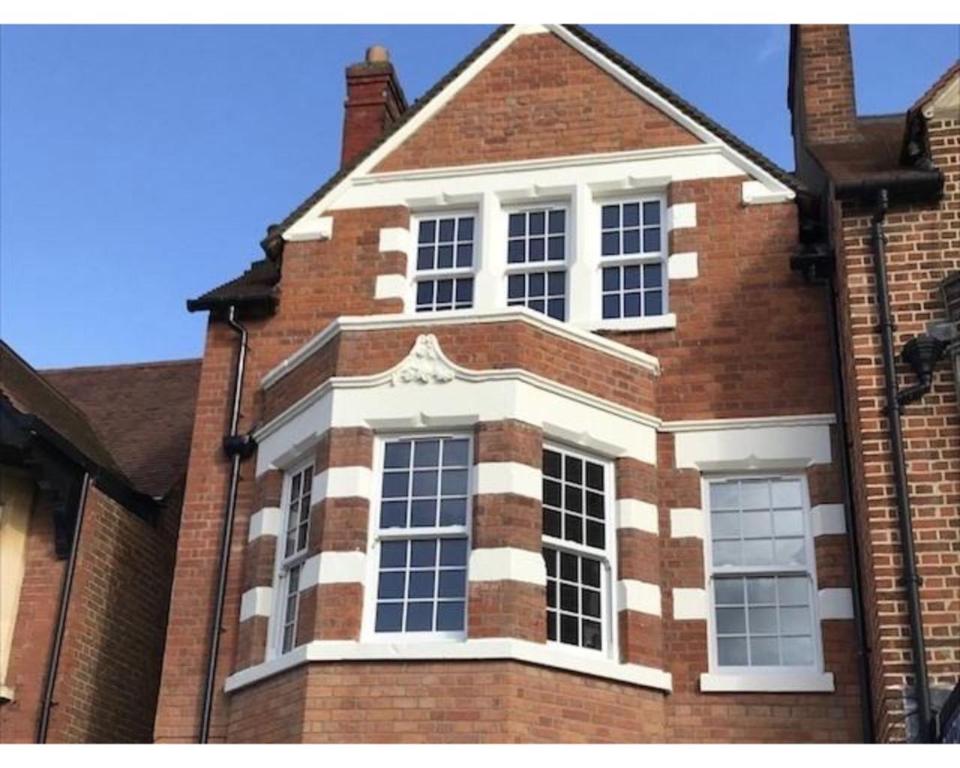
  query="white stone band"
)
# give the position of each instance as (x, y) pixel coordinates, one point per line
(507, 564)
(256, 602)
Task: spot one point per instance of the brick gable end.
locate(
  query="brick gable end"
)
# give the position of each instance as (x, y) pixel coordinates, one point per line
(539, 98)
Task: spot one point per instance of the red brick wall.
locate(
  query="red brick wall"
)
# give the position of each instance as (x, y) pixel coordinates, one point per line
(109, 674)
(751, 341)
(512, 110)
(923, 248)
(826, 82)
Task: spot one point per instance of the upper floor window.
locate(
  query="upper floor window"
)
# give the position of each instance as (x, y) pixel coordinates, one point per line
(536, 260)
(632, 255)
(422, 536)
(445, 262)
(298, 487)
(576, 548)
(762, 574)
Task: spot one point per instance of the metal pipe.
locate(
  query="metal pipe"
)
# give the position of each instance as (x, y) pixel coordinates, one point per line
(850, 519)
(911, 579)
(227, 532)
(67, 587)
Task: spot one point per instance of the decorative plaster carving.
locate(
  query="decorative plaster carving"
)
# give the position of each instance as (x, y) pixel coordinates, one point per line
(425, 364)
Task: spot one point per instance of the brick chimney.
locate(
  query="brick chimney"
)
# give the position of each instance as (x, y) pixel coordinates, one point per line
(821, 84)
(374, 102)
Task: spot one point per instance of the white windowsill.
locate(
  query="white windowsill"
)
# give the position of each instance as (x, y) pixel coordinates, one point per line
(757, 682)
(654, 323)
(487, 648)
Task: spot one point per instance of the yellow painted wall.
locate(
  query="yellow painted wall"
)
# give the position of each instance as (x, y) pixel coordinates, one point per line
(16, 499)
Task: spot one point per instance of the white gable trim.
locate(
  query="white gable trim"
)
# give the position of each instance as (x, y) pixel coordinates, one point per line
(306, 222)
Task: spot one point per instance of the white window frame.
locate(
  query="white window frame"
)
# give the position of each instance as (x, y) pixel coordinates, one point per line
(810, 570)
(662, 257)
(546, 266)
(283, 564)
(609, 618)
(376, 535)
(416, 275)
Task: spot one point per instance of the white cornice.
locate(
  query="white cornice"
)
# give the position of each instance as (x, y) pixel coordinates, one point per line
(515, 166)
(514, 314)
(541, 654)
(752, 422)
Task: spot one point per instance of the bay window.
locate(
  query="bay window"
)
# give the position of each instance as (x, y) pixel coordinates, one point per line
(298, 487)
(577, 549)
(421, 540)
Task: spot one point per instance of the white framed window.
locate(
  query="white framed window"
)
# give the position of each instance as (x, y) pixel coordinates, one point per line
(761, 576)
(578, 549)
(420, 540)
(292, 552)
(633, 265)
(537, 244)
(446, 256)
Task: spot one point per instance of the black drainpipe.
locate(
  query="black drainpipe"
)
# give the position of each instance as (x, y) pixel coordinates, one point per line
(54, 662)
(863, 652)
(236, 447)
(911, 579)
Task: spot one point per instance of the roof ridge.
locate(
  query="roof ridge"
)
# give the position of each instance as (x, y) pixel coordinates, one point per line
(938, 84)
(115, 366)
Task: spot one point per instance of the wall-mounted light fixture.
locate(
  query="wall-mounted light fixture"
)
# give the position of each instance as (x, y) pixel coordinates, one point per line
(921, 353)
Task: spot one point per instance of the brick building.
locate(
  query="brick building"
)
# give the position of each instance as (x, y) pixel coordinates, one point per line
(891, 182)
(557, 414)
(92, 462)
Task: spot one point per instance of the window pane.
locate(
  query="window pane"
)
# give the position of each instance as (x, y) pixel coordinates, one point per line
(731, 621)
(732, 651)
(421, 584)
(591, 634)
(391, 585)
(762, 591)
(764, 651)
(393, 514)
(450, 616)
(389, 617)
(423, 553)
(395, 484)
(455, 453)
(423, 513)
(452, 584)
(454, 482)
(396, 455)
(453, 512)
(786, 493)
(425, 483)
(795, 621)
(419, 617)
(793, 590)
(393, 554)
(797, 651)
(725, 524)
(453, 552)
(763, 621)
(631, 215)
(728, 591)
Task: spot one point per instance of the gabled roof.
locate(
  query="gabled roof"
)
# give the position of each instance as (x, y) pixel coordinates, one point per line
(143, 412)
(934, 89)
(251, 285)
(31, 394)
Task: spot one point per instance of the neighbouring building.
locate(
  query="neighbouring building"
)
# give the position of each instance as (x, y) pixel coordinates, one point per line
(891, 182)
(92, 463)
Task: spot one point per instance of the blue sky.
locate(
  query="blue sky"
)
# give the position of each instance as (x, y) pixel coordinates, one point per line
(140, 166)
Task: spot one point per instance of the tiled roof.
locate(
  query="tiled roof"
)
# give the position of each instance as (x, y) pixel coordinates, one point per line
(32, 394)
(142, 412)
(255, 286)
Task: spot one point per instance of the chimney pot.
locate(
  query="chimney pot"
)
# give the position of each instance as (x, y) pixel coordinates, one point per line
(377, 54)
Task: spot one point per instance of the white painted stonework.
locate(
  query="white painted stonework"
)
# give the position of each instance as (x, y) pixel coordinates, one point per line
(767, 682)
(342, 483)
(640, 596)
(391, 287)
(637, 515)
(438, 394)
(827, 519)
(310, 228)
(507, 564)
(682, 266)
(394, 239)
(682, 216)
(543, 654)
(690, 603)
(687, 523)
(739, 445)
(332, 567)
(507, 477)
(266, 521)
(256, 602)
(836, 603)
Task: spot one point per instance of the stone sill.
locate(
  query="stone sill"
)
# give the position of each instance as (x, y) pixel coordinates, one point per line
(772, 682)
(481, 649)
(654, 323)
(6, 693)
